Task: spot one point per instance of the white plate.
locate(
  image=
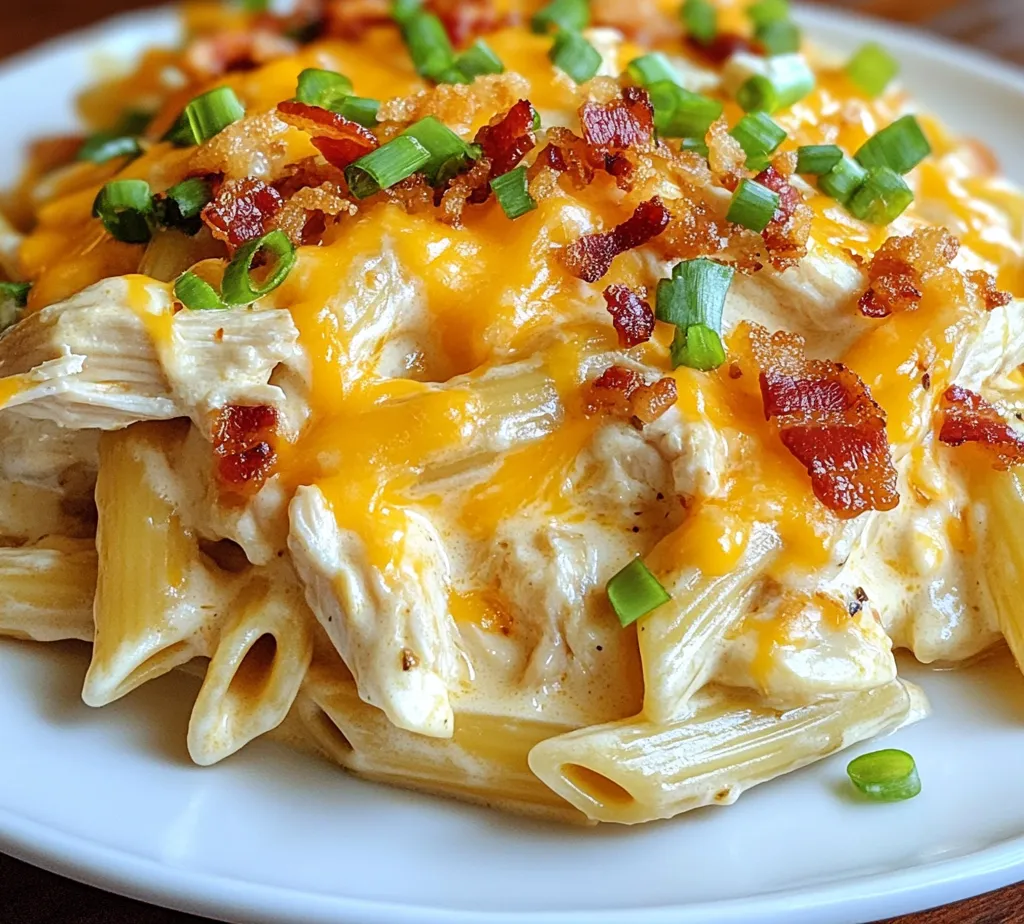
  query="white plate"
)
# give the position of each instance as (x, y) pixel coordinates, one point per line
(109, 797)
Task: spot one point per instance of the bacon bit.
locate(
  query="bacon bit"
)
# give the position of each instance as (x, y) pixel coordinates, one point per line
(218, 54)
(830, 423)
(624, 393)
(413, 193)
(632, 317)
(901, 266)
(969, 418)
(340, 140)
(242, 211)
(508, 138)
(567, 153)
(350, 19)
(789, 230)
(986, 286)
(723, 47)
(459, 106)
(465, 187)
(46, 154)
(243, 441)
(308, 173)
(307, 214)
(622, 124)
(464, 20)
(694, 231)
(590, 257)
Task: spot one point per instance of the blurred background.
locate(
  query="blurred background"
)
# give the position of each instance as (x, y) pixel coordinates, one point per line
(996, 26)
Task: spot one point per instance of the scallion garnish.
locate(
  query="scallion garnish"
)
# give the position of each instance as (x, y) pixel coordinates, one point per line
(558, 15)
(359, 109)
(317, 87)
(133, 122)
(817, 159)
(778, 37)
(900, 146)
(789, 81)
(882, 198)
(843, 180)
(885, 776)
(693, 300)
(700, 19)
(181, 205)
(872, 69)
(697, 145)
(239, 287)
(391, 163)
(448, 152)
(180, 133)
(634, 592)
(16, 292)
(431, 51)
(209, 114)
(753, 206)
(197, 294)
(766, 11)
(652, 68)
(104, 146)
(513, 193)
(401, 10)
(678, 113)
(478, 59)
(759, 137)
(575, 55)
(126, 209)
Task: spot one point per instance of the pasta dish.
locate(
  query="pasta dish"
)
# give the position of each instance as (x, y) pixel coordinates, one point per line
(567, 407)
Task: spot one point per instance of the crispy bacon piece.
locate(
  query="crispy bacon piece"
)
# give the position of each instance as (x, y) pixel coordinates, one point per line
(413, 193)
(986, 286)
(624, 393)
(901, 266)
(619, 125)
(632, 317)
(466, 187)
(242, 211)
(465, 20)
(590, 257)
(350, 19)
(340, 140)
(508, 138)
(243, 441)
(969, 418)
(789, 230)
(722, 47)
(830, 423)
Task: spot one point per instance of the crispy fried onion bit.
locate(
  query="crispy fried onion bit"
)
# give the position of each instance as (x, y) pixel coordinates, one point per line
(623, 393)
(243, 442)
(969, 418)
(340, 140)
(830, 423)
(632, 317)
(590, 257)
(900, 268)
(787, 233)
(242, 211)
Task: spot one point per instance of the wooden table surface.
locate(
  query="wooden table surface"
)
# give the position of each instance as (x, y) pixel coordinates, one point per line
(31, 896)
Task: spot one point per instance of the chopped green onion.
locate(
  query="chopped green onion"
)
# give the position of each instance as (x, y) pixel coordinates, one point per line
(359, 109)
(780, 37)
(652, 68)
(239, 287)
(16, 292)
(700, 19)
(391, 163)
(885, 776)
(180, 133)
(789, 82)
(209, 114)
(817, 159)
(431, 51)
(678, 113)
(900, 146)
(536, 121)
(575, 55)
(693, 299)
(635, 592)
(479, 59)
(766, 11)
(182, 204)
(401, 10)
(513, 193)
(197, 294)
(753, 206)
(571, 15)
(843, 180)
(322, 88)
(254, 6)
(882, 198)
(872, 69)
(104, 146)
(133, 122)
(759, 137)
(448, 152)
(126, 209)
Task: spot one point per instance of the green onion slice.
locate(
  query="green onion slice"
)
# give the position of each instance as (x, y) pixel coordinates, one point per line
(767, 11)
(513, 193)
(900, 146)
(885, 776)
(209, 114)
(843, 180)
(389, 164)
(789, 82)
(448, 152)
(133, 122)
(652, 68)
(239, 287)
(126, 209)
(197, 294)
(635, 592)
(16, 292)
(678, 113)
(817, 159)
(431, 51)
(697, 145)
(779, 37)
(872, 69)
(699, 347)
(401, 10)
(693, 300)
(575, 55)
(104, 146)
(359, 109)
(759, 137)
(753, 206)
(700, 19)
(182, 204)
(317, 87)
(882, 198)
(180, 133)
(478, 59)
(571, 15)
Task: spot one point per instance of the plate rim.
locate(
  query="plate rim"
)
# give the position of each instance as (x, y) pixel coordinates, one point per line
(855, 898)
